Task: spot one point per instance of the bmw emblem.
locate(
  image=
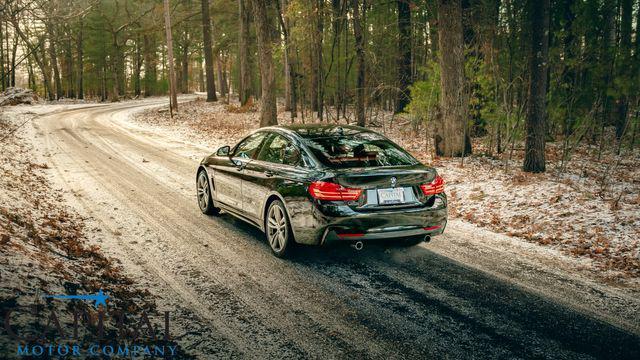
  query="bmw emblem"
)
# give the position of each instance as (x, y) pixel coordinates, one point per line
(394, 180)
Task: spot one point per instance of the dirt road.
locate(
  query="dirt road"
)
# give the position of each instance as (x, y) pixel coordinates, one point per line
(466, 294)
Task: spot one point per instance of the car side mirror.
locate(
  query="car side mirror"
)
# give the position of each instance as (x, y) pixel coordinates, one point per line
(223, 151)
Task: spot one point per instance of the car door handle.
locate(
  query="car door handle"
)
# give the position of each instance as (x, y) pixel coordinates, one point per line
(268, 173)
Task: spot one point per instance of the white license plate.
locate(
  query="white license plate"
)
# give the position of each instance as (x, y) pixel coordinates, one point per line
(390, 196)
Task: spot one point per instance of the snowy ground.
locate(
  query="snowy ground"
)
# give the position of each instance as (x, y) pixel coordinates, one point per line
(591, 210)
(44, 247)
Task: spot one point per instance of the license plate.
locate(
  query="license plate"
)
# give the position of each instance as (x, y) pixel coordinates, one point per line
(390, 196)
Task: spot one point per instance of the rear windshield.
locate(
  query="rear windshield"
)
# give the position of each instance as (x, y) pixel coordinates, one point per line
(359, 149)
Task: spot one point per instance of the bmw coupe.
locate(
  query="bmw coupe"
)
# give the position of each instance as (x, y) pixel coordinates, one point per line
(316, 184)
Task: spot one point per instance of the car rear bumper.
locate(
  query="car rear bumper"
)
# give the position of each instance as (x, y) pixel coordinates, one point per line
(339, 223)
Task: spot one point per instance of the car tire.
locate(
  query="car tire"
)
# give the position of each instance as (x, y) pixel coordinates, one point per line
(278, 229)
(205, 201)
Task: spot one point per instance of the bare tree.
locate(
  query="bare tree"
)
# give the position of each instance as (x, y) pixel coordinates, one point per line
(451, 140)
(243, 53)
(208, 55)
(172, 71)
(404, 54)
(534, 159)
(290, 76)
(268, 112)
(360, 78)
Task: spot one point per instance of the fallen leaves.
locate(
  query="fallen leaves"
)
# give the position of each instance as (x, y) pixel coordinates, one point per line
(43, 243)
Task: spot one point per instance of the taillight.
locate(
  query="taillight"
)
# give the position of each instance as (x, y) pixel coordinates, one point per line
(322, 190)
(434, 187)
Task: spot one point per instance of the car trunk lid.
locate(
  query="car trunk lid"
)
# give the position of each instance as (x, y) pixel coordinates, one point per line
(386, 187)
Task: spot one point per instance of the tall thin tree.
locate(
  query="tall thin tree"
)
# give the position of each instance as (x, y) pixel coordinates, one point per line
(451, 140)
(404, 54)
(538, 22)
(360, 62)
(172, 71)
(268, 112)
(243, 53)
(208, 52)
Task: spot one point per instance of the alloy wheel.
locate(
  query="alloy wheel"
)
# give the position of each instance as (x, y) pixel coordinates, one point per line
(203, 191)
(277, 228)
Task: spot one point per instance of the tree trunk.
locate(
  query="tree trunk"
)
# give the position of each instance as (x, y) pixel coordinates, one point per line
(404, 55)
(201, 78)
(569, 73)
(637, 52)
(290, 76)
(319, 63)
(243, 54)
(46, 72)
(2, 67)
(534, 157)
(223, 85)
(80, 62)
(360, 63)
(54, 63)
(14, 51)
(138, 68)
(287, 81)
(453, 95)
(225, 80)
(172, 72)
(432, 15)
(607, 58)
(208, 52)
(268, 111)
(184, 77)
(150, 70)
(624, 67)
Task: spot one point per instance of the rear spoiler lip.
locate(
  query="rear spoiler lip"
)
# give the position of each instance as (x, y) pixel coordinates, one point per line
(408, 169)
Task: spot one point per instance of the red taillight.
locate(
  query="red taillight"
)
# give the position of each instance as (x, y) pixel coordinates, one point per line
(350, 235)
(434, 187)
(322, 190)
(429, 228)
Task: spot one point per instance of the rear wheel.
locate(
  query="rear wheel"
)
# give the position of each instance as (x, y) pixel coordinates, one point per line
(278, 229)
(205, 202)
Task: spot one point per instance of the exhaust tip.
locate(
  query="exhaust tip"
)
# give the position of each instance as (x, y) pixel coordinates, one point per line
(358, 245)
(427, 238)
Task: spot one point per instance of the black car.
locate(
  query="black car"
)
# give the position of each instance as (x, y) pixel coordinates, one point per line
(315, 184)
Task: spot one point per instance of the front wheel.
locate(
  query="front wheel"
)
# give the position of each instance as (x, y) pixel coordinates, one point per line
(278, 229)
(205, 202)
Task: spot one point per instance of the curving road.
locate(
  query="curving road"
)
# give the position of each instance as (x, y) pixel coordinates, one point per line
(456, 297)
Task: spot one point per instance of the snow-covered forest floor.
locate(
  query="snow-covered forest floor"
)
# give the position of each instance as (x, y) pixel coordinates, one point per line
(590, 210)
(44, 246)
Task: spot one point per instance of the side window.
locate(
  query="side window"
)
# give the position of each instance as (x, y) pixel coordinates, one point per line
(248, 148)
(280, 151)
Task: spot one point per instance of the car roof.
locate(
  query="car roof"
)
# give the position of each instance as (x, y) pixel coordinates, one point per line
(318, 130)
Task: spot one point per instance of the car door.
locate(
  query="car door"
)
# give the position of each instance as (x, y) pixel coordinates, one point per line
(273, 166)
(255, 183)
(228, 175)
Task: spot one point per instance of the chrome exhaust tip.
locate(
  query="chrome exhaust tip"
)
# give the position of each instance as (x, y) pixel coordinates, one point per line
(358, 245)
(427, 238)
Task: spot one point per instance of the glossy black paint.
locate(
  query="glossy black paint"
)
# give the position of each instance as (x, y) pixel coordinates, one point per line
(244, 187)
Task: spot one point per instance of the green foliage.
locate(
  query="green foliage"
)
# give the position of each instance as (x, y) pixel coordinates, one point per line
(425, 94)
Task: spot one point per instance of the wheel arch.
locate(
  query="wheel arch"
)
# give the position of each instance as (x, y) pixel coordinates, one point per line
(271, 198)
(202, 168)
